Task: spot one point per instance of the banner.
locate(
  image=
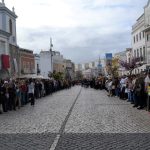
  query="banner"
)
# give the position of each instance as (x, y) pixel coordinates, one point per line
(108, 59)
(108, 56)
(15, 65)
(5, 61)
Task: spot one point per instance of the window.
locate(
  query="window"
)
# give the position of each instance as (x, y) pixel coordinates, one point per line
(144, 53)
(140, 52)
(135, 71)
(148, 37)
(140, 35)
(2, 47)
(27, 65)
(137, 37)
(134, 39)
(10, 26)
(24, 64)
(137, 53)
(129, 60)
(14, 39)
(143, 35)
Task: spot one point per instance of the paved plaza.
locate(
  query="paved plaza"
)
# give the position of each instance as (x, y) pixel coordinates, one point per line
(76, 119)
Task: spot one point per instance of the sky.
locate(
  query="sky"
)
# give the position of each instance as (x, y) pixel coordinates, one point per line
(82, 30)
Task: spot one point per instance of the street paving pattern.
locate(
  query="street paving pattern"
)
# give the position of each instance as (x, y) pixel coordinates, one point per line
(76, 119)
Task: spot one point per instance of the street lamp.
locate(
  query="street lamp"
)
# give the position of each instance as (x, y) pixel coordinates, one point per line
(51, 46)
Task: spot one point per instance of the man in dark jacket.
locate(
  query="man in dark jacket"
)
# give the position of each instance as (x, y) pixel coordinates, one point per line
(142, 99)
(12, 97)
(4, 97)
(1, 98)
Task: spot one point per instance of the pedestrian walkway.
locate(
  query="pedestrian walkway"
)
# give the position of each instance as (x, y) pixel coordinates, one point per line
(95, 112)
(70, 120)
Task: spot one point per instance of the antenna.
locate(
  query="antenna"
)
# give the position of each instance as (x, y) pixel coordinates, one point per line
(13, 9)
(3, 2)
(51, 44)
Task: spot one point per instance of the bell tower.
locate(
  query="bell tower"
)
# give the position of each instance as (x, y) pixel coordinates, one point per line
(9, 51)
(8, 23)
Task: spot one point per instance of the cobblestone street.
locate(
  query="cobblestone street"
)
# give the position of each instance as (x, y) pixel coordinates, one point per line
(76, 119)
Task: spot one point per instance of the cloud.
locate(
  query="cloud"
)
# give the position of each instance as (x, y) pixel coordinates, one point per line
(81, 29)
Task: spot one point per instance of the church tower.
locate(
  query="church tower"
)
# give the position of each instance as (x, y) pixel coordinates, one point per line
(8, 23)
(9, 52)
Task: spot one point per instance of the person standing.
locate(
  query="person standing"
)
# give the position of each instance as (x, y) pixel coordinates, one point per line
(147, 90)
(1, 97)
(23, 88)
(18, 95)
(12, 96)
(5, 96)
(31, 92)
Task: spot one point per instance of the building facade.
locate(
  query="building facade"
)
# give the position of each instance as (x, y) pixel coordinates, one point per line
(141, 39)
(37, 64)
(120, 56)
(27, 62)
(46, 63)
(9, 51)
(58, 62)
(147, 31)
(69, 69)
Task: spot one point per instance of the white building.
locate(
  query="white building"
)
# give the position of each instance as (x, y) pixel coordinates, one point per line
(37, 64)
(147, 31)
(46, 66)
(78, 67)
(90, 73)
(128, 55)
(7, 26)
(69, 69)
(141, 39)
(121, 56)
(8, 39)
(92, 69)
(58, 62)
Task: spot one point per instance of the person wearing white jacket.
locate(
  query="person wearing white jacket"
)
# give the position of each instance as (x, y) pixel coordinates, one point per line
(31, 92)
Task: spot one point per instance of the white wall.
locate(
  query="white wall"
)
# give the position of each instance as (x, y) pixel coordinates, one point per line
(140, 44)
(5, 16)
(6, 51)
(0, 21)
(8, 17)
(45, 63)
(37, 61)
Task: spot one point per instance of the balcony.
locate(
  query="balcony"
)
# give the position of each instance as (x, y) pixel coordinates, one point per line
(27, 71)
(148, 44)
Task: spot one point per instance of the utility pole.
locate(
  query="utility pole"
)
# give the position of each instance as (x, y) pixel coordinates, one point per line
(51, 53)
(99, 66)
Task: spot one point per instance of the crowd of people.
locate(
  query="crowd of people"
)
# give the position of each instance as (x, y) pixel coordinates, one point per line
(15, 94)
(133, 88)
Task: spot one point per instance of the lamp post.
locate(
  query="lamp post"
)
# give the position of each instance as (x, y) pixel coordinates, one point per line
(51, 46)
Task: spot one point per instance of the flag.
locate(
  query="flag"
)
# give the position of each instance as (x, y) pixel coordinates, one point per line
(5, 61)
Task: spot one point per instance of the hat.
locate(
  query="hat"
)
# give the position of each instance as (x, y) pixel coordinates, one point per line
(5, 82)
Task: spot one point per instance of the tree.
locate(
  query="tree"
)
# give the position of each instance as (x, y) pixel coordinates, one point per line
(132, 64)
(79, 75)
(112, 67)
(58, 75)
